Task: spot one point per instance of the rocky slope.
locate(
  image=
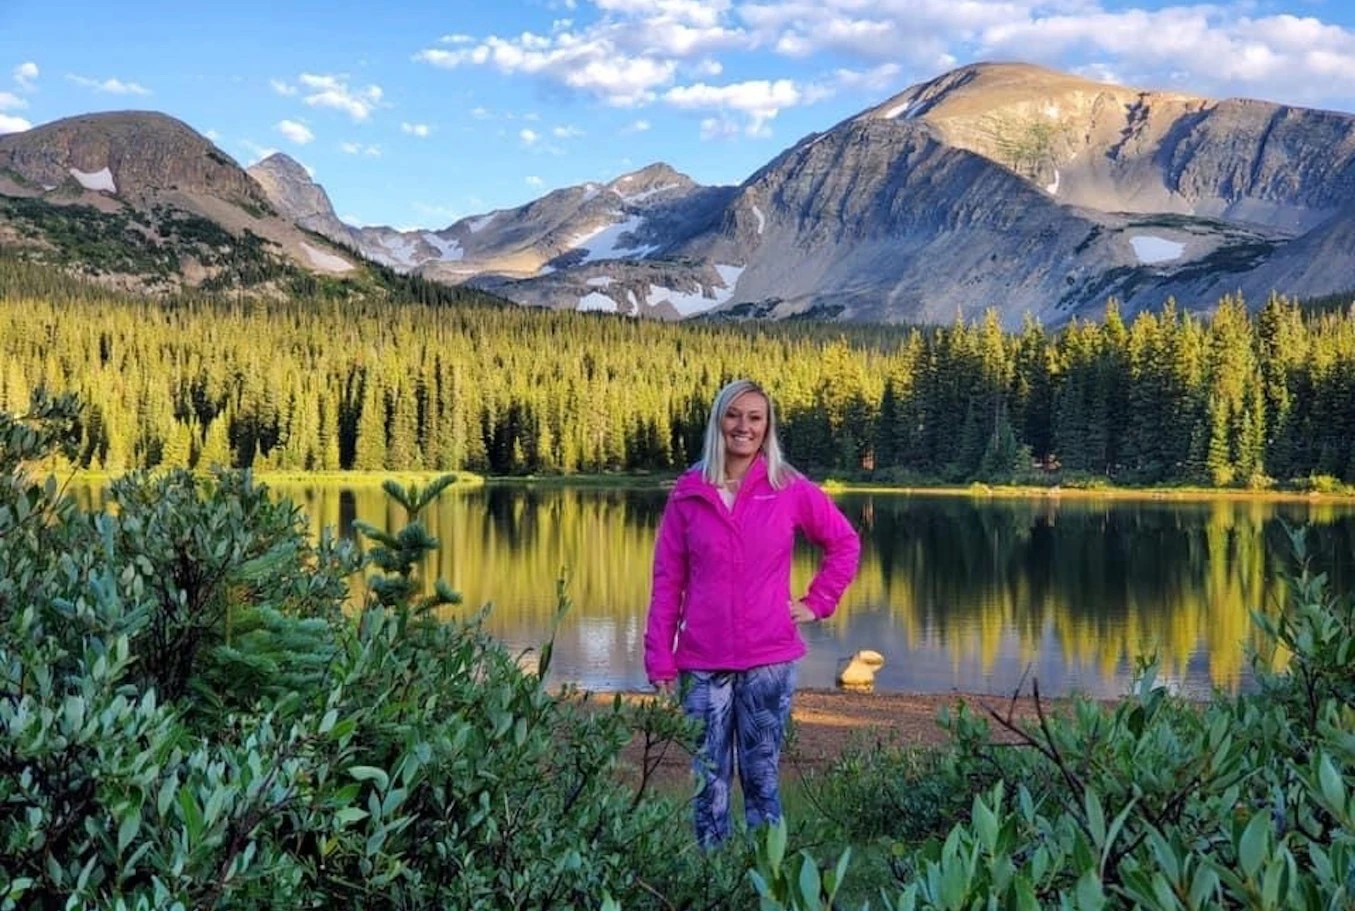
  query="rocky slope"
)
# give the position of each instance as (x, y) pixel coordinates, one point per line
(143, 200)
(563, 234)
(995, 185)
(1036, 192)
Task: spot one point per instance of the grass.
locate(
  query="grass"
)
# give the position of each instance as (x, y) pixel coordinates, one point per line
(345, 478)
(1107, 492)
(1333, 492)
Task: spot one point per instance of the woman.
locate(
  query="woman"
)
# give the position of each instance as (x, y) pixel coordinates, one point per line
(721, 615)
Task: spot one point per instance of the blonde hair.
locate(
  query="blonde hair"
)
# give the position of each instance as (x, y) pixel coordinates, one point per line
(779, 471)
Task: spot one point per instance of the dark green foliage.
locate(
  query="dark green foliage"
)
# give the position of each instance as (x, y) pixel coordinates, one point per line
(445, 384)
(190, 719)
(1153, 803)
(95, 242)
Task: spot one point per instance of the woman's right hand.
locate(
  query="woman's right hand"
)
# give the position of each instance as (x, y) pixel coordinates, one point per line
(665, 687)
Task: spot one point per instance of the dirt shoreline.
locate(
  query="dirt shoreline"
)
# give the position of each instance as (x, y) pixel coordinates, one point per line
(828, 722)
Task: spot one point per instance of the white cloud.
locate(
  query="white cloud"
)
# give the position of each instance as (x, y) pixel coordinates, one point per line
(624, 58)
(213, 135)
(760, 100)
(10, 101)
(569, 131)
(1098, 72)
(877, 81)
(330, 91)
(1207, 48)
(25, 74)
(528, 137)
(358, 148)
(109, 86)
(589, 65)
(10, 124)
(283, 88)
(534, 181)
(698, 13)
(421, 130)
(636, 126)
(298, 133)
(637, 52)
(480, 113)
(718, 128)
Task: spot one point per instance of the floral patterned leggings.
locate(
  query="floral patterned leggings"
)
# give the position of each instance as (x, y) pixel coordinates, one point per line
(744, 712)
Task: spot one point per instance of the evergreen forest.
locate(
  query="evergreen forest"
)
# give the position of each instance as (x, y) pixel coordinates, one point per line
(1234, 397)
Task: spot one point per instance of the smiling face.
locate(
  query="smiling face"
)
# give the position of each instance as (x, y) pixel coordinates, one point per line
(744, 425)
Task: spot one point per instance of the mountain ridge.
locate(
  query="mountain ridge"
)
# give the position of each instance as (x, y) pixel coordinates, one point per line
(994, 185)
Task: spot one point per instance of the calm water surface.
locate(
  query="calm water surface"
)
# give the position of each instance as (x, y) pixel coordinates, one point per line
(958, 593)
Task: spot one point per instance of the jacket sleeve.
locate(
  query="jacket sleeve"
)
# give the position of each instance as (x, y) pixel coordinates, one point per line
(665, 599)
(825, 525)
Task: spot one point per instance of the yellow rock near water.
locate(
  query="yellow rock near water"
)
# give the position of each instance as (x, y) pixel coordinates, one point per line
(860, 669)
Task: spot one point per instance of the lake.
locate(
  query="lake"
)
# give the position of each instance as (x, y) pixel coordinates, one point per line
(959, 593)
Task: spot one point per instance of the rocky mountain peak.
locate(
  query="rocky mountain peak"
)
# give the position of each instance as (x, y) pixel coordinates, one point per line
(297, 196)
(133, 155)
(1087, 143)
(650, 180)
(282, 165)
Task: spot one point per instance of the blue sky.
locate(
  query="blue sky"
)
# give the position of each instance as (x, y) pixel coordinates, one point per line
(419, 113)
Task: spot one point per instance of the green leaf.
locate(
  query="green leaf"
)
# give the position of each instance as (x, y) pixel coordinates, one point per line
(1090, 896)
(1333, 788)
(1096, 818)
(839, 874)
(810, 891)
(350, 815)
(776, 844)
(192, 814)
(128, 829)
(1203, 888)
(985, 824)
(370, 773)
(1251, 849)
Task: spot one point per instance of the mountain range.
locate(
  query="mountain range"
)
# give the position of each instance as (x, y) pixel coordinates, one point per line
(1004, 186)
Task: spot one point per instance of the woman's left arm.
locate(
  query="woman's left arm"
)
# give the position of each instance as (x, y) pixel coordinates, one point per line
(825, 525)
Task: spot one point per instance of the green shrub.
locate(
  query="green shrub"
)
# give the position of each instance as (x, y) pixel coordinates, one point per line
(188, 719)
(1155, 803)
(1322, 483)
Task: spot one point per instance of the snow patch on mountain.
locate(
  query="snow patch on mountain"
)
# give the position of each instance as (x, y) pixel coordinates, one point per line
(477, 225)
(599, 281)
(730, 274)
(101, 179)
(449, 249)
(640, 197)
(1151, 249)
(902, 111)
(687, 303)
(325, 260)
(604, 242)
(1053, 188)
(397, 250)
(596, 300)
(761, 219)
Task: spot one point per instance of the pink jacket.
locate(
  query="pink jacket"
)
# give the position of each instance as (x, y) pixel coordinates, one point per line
(721, 593)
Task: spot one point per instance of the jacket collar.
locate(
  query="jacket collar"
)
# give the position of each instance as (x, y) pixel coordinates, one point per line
(691, 482)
